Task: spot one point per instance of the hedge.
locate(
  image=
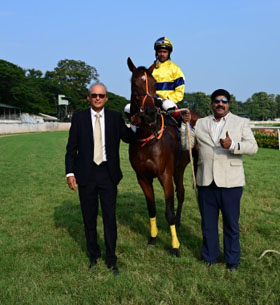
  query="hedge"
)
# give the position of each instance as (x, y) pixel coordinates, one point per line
(266, 139)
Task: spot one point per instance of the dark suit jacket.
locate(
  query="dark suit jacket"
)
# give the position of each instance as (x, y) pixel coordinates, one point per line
(79, 150)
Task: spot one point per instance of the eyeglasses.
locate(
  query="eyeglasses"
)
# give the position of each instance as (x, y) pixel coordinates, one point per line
(223, 100)
(95, 95)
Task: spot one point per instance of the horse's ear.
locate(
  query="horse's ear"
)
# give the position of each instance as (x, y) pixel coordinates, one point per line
(130, 64)
(151, 69)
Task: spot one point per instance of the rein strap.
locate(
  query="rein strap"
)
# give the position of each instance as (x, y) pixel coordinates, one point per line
(157, 135)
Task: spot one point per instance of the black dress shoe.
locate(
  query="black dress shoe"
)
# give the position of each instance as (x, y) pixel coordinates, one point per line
(209, 264)
(114, 269)
(232, 267)
(93, 263)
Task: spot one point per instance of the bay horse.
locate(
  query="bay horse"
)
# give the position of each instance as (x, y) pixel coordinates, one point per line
(156, 153)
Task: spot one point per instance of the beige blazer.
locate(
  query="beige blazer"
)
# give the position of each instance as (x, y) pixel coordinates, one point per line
(223, 166)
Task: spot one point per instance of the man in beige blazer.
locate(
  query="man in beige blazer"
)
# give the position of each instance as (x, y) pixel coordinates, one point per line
(222, 139)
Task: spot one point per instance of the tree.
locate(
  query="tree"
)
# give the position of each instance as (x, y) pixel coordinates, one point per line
(197, 101)
(73, 76)
(27, 89)
(32, 73)
(277, 102)
(233, 105)
(259, 106)
(117, 103)
(11, 77)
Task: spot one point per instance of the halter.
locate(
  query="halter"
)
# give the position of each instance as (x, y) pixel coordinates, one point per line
(147, 93)
(156, 134)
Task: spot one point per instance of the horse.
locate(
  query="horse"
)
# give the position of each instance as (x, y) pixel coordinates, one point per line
(156, 153)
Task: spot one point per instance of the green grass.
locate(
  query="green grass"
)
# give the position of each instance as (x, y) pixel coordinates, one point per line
(43, 256)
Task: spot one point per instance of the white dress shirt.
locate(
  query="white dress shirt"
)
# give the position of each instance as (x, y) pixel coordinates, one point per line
(216, 128)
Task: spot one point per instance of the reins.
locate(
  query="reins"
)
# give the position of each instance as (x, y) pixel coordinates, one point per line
(190, 151)
(155, 134)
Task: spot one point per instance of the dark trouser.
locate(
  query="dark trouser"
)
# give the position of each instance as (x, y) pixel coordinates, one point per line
(211, 200)
(100, 186)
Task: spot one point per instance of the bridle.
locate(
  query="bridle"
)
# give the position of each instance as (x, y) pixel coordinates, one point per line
(146, 94)
(158, 133)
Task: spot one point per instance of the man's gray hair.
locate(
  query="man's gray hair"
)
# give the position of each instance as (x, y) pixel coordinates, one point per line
(97, 84)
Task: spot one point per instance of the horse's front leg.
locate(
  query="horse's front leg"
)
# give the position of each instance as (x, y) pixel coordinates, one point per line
(167, 184)
(179, 182)
(147, 187)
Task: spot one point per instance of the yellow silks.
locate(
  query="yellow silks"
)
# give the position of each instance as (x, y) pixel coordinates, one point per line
(170, 81)
(175, 241)
(154, 230)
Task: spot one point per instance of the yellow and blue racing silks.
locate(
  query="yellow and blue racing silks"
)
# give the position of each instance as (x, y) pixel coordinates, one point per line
(170, 81)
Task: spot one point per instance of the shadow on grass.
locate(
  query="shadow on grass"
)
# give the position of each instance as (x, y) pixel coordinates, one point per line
(69, 216)
(132, 212)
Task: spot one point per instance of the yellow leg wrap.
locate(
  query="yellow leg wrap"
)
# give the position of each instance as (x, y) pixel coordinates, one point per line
(175, 241)
(154, 230)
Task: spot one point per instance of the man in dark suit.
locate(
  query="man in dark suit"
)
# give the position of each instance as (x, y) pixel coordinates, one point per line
(93, 163)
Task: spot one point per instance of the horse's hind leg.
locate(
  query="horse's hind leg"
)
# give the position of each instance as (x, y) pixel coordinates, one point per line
(147, 187)
(180, 192)
(167, 183)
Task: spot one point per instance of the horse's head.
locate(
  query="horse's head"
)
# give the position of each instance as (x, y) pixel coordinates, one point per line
(143, 92)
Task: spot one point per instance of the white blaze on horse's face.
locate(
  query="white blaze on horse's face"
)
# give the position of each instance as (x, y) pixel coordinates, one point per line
(143, 77)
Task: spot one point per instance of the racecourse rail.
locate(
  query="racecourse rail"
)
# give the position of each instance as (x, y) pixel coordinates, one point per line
(18, 127)
(11, 127)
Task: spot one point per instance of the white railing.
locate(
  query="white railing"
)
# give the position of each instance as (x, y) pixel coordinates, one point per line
(268, 127)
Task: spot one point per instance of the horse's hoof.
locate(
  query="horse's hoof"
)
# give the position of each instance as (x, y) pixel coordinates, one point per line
(175, 252)
(152, 241)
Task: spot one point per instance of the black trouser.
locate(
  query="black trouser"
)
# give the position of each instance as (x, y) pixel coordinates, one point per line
(100, 186)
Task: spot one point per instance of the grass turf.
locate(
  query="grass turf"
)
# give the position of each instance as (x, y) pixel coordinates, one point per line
(43, 256)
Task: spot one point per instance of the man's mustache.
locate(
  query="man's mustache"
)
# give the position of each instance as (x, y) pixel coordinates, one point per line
(220, 107)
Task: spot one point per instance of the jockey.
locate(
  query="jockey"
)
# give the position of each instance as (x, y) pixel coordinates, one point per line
(170, 79)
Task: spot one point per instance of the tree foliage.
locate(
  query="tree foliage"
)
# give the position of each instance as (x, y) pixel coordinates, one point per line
(201, 103)
(197, 101)
(33, 91)
(11, 77)
(73, 77)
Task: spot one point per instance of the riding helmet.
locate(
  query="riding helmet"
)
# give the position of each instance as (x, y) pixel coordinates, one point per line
(163, 43)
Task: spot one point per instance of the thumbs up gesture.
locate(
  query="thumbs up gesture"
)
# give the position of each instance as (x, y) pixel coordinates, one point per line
(226, 142)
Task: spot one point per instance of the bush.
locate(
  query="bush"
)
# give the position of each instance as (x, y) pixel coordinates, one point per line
(267, 138)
